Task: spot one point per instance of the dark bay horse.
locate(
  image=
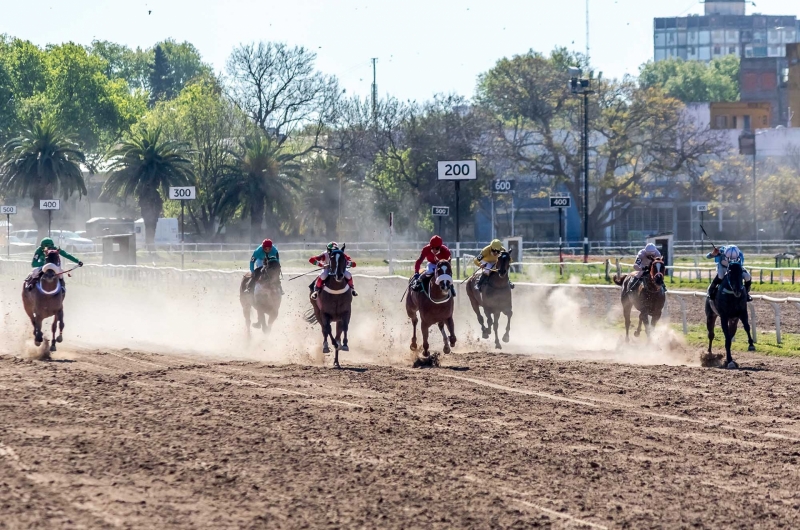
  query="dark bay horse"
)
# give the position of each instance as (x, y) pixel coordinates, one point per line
(46, 300)
(435, 306)
(333, 305)
(265, 298)
(731, 306)
(648, 297)
(495, 299)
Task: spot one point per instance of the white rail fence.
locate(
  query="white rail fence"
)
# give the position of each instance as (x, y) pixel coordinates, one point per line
(168, 279)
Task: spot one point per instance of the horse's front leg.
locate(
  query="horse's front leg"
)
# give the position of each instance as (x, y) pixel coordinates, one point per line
(726, 330)
(272, 319)
(345, 323)
(746, 325)
(626, 312)
(246, 315)
(451, 328)
(60, 326)
(53, 329)
(446, 348)
(711, 322)
(496, 325)
(325, 326)
(336, 343)
(425, 345)
(38, 337)
(414, 322)
(508, 326)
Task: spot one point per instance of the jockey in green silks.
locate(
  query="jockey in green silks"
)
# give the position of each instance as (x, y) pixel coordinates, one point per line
(39, 259)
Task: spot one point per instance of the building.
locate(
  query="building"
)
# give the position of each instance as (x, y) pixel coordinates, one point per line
(793, 84)
(740, 115)
(763, 79)
(723, 30)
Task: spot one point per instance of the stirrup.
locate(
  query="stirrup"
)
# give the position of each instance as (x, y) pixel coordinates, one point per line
(314, 294)
(352, 290)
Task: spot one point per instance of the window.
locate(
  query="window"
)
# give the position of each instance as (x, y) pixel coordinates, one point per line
(764, 121)
(731, 50)
(746, 122)
(735, 124)
(717, 50)
(721, 122)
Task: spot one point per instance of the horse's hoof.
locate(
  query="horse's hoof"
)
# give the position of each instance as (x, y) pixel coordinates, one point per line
(256, 325)
(60, 339)
(37, 342)
(732, 365)
(452, 342)
(446, 349)
(752, 347)
(326, 349)
(413, 347)
(497, 346)
(505, 338)
(345, 347)
(336, 365)
(485, 334)
(637, 333)
(53, 347)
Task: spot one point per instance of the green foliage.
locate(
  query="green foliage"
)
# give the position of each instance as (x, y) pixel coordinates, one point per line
(133, 66)
(173, 66)
(693, 81)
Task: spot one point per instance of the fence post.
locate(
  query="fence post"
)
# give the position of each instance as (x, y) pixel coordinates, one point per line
(683, 314)
(771, 277)
(619, 271)
(777, 309)
(752, 307)
(608, 269)
(760, 275)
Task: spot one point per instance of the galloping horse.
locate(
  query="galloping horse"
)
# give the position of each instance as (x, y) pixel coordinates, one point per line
(648, 298)
(46, 300)
(265, 298)
(731, 306)
(333, 305)
(435, 306)
(495, 298)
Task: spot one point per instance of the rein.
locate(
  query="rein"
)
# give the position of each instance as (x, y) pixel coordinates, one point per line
(428, 294)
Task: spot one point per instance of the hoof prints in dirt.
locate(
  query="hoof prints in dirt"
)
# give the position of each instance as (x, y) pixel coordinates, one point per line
(431, 361)
(712, 360)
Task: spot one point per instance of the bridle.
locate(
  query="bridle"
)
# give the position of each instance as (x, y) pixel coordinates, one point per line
(441, 270)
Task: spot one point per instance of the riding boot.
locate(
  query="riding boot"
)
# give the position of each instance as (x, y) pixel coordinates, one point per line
(253, 279)
(317, 289)
(352, 287)
(712, 289)
(63, 285)
(453, 291)
(747, 286)
(481, 281)
(511, 284)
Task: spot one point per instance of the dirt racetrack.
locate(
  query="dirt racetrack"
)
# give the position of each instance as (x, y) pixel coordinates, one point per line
(157, 413)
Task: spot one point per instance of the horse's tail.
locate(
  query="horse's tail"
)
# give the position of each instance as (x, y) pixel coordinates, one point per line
(619, 280)
(310, 316)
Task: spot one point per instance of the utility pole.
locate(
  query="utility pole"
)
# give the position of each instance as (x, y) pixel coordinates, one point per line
(587, 32)
(374, 89)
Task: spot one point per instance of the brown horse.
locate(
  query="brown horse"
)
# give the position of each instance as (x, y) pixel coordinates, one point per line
(495, 299)
(46, 300)
(648, 297)
(333, 304)
(265, 298)
(435, 306)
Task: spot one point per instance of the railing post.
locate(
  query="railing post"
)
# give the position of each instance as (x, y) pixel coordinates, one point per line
(777, 309)
(752, 307)
(683, 314)
(608, 270)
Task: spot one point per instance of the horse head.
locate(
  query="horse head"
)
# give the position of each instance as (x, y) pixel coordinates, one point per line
(51, 255)
(503, 264)
(442, 276)
(271, 272)
(337, 264)
(734, 278)
(657, 270)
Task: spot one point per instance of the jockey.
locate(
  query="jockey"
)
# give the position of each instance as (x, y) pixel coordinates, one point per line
(39, 260)
(262, 255)
(323, 261)
(723, 256)
(642, 264)
(487, 261)
(435, 251)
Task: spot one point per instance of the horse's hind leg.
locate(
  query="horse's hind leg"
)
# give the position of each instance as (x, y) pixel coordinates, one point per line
(262, 322)
(451, 328)
(746, 325)
(626, 312)
(477, 309)
(446, 348)
(508, 326)
(53, 329)
(728, 332)
(414, 322)
(711, 321)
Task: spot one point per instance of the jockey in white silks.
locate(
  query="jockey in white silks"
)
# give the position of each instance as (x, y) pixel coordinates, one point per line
(642, 264)
(724, 256)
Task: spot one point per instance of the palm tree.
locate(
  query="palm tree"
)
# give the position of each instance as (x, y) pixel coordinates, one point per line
(262, 182)
(145, 166)
(322, 194)
(41, 163)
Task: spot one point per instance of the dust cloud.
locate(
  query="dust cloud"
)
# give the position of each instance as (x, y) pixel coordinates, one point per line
(208, 323)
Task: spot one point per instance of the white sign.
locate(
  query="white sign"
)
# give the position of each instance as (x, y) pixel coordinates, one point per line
(702, 207)
(8, 210)
(440, 211)
(560, 202)
(458, 170)
(50, 204)
(502, 186)
(186, 193)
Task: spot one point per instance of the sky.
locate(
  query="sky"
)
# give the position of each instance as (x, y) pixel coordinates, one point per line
(424, 47)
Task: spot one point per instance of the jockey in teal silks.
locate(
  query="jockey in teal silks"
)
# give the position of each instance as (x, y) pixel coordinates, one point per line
(262, 255)
(39, 259)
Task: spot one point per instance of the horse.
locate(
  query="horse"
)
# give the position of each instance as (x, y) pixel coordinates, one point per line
(435, 306)
(333, 304)
(648, 298)
(46, 300)
(495, 298)
(730, 304)
(265, 298)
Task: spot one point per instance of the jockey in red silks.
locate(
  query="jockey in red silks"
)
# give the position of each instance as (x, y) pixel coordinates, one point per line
(323, 260)
(434, 252)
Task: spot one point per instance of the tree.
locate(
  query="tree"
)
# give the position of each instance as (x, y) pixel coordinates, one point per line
(133, 66)
(41, 163)
(639, 138)
(145, 166)
(280, 90)
(263, 185)
(693, 81)
(324, 184)
(204, 119)
(173, 66)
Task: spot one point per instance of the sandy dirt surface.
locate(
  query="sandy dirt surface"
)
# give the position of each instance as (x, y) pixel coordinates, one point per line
(158, 412)
(126, 439)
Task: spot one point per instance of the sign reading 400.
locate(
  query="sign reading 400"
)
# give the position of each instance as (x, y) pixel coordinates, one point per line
(50, 204)
(184, 193)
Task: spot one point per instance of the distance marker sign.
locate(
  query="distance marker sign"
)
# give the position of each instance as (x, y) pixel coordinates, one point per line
(50, 204)
(440, 211)
(560, 202)
(8, 210)
(458, 170)
(184, 193)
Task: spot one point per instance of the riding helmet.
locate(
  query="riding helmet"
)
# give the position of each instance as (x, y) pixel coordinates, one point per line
(332, 245)
(47, 243)
(496, 245)
(436, 242)
(267, 243)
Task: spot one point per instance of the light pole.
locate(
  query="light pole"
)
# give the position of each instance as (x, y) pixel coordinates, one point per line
(580, 86)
